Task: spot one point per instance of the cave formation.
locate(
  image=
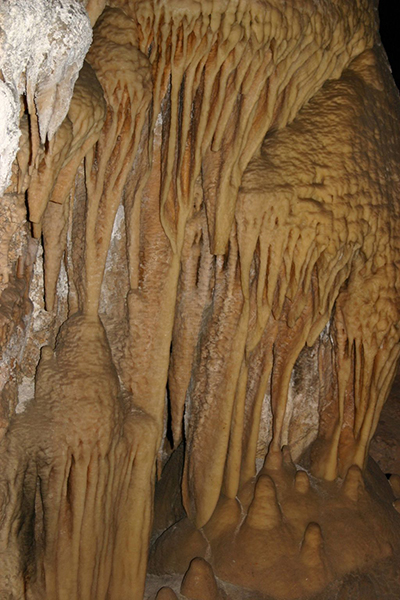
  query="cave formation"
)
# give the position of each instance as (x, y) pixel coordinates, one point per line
(199, 314)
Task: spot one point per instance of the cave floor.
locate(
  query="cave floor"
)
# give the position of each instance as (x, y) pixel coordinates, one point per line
(381, 582)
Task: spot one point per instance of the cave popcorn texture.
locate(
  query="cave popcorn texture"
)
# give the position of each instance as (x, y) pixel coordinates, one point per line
(216, 196)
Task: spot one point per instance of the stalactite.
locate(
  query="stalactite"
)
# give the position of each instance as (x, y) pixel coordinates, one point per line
(227, 168)
(295, 284)
(43, 47)
(223, 64)
(194, 294)
(123, 72)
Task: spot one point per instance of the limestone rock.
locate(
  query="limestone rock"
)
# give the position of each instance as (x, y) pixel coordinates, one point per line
(43, 45)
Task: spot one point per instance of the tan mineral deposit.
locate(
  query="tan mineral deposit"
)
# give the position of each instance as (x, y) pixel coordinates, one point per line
(199, 300)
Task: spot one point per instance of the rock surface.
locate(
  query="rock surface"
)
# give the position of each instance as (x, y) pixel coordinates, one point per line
(199, 259)
(385, 445)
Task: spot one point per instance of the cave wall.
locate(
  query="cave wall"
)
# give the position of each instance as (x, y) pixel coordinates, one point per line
(198, 244)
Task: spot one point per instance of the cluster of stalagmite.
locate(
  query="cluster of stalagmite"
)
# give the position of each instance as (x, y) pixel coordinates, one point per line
(289, 534)
(218, 215)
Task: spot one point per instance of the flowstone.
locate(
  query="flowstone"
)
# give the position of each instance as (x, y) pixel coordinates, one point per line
(199, 300)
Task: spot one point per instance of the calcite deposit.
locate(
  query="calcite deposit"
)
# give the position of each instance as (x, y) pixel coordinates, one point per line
(199, 314)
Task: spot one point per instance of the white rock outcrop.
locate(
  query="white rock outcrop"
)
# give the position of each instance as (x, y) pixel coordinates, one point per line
(42, 47)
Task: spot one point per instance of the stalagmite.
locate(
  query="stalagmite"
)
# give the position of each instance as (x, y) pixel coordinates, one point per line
(199, 582)
(312, 556)
(166, 594)
(312, 546)
(264, 511)
(353, 485)
(302, 482)
(199, 259)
